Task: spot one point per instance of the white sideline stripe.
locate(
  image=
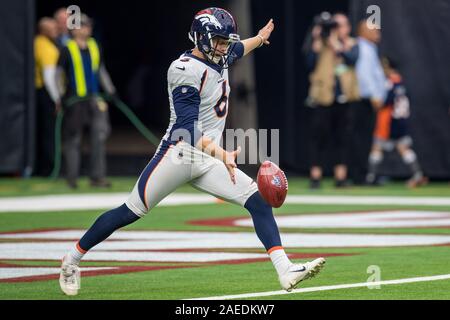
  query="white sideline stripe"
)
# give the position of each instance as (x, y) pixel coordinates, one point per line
(326, 288)
(92, 201)
(101, 201)
(374, 219)
(369, 200)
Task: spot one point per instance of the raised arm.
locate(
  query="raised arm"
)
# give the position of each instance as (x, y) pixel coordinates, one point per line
(260, 39)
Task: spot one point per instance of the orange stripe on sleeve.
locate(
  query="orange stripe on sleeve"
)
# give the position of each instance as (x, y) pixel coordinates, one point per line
(148, 179)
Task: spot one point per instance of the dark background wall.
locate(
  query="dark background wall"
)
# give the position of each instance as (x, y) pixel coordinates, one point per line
(16, 86)
(141, 38)
(282, 78)
(415, 33)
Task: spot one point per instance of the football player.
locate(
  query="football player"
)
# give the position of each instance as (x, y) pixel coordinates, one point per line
(189, 152)
(391, 130)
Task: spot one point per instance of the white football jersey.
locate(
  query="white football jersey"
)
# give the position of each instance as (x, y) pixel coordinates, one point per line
(213, 87)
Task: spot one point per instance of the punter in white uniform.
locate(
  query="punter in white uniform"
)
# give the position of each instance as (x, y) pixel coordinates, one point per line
(198, 95)
(190, 150)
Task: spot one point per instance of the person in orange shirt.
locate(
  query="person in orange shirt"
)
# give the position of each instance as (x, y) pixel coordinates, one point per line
(47, 98)
(391, 129)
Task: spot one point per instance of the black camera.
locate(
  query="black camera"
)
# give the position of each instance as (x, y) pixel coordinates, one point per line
(326, 22)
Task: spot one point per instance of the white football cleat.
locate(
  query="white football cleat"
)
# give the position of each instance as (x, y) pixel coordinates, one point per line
(299, 272)
(69, 278)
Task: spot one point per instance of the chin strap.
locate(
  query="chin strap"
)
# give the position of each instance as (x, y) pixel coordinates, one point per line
(210, 56)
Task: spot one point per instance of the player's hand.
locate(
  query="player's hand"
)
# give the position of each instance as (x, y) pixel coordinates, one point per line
(267, 31)
(230, 163)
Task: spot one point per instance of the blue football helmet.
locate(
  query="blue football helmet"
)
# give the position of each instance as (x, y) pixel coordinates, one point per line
(210, 23)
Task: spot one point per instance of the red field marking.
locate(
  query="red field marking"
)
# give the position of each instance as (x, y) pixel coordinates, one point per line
(219, 222)
(37, 230)
(118, 270)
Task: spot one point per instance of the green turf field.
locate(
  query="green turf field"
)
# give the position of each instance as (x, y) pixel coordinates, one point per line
(195, 279)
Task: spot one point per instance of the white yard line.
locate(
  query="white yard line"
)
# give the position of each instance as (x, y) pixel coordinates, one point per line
(326, 288)
(89, 201)
(370, 200)
(110, 200)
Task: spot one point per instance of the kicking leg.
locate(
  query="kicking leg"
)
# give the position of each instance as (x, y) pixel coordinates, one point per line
(266, 228)
(217, 182)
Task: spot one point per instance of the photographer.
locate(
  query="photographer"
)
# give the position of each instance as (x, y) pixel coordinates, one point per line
(331, 56)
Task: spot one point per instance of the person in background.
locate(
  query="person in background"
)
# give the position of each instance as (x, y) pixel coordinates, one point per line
(331, 57)
(46, 57)
(371, 82)
(80, 74)
(60, 16)
(391, 129)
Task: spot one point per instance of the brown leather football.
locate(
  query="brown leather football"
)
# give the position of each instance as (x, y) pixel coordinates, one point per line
(272, 184)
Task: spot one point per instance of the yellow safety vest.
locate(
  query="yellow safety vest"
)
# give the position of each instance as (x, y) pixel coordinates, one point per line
(77, 62)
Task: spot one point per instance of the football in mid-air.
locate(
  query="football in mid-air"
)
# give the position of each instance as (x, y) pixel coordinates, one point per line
(272, 184)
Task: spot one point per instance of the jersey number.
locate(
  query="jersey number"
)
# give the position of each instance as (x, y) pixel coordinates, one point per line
(401, 108)
(221, 106)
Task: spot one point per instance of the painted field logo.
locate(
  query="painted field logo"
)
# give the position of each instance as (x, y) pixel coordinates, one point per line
(167, 249)
(156, 250)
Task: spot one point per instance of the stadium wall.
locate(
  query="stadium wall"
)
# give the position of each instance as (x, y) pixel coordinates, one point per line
(416, 34)
(16, 86)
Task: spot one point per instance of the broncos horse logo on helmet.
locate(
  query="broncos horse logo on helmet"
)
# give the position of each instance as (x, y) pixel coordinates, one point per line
(210, 23)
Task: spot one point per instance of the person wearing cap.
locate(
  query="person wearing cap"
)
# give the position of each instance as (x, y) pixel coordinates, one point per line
(80, 74)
